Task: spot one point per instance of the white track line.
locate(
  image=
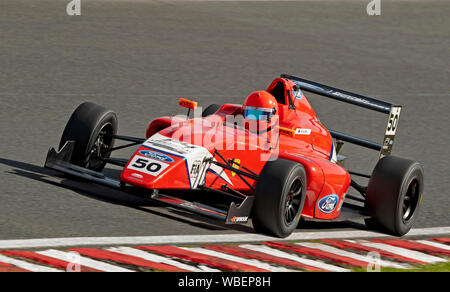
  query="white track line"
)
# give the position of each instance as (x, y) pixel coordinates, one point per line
(254, 263)
(293, 257)
(155, 258)
(207, 269)
(26, 265)
(84, 261)
(213, 238)
(402, 251)
(435, 244)
(352, 255)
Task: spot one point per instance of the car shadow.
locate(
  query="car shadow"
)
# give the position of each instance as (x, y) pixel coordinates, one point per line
(314, 225)
(142, 203)
(112, 196)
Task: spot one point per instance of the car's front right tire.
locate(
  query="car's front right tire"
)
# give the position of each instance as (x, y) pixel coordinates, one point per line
(91, 126)
(210, 110)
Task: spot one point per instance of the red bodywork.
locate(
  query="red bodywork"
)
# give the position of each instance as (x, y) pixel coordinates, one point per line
(311, 146)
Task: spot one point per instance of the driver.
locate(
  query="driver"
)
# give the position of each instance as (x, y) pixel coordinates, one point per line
(261, 107)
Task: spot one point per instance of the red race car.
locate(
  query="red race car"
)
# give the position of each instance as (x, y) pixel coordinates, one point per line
(269, 160)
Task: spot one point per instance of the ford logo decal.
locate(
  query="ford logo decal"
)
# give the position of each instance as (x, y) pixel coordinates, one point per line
(328, 203)
(156, 155)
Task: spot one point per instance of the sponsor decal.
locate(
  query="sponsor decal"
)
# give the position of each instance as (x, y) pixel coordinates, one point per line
(387, 143)
(297, 93)
(239, 219)
(308, 85)
(302, 131)
(172, 145)
(195, 170)
(236, 164)
(156, 155)
(189, 205)
(137, 175)
(328, 203)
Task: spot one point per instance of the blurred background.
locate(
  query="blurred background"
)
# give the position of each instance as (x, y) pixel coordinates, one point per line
(138, 57)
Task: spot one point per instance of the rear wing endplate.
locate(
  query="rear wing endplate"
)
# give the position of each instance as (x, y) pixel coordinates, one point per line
(385, 148)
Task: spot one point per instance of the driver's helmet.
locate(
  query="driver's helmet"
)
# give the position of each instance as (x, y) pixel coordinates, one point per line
(261, 106)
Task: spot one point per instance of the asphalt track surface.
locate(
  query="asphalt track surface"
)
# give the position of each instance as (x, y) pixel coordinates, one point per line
(139, 57)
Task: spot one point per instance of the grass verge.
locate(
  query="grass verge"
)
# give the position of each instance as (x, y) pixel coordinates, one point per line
(441, 267)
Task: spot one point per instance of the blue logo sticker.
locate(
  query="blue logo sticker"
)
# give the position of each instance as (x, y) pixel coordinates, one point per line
(298, 94)
(328, 203)
(156, 155)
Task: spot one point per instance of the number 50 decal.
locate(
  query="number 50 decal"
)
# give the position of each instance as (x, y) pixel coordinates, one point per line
(394, 116)
(147, 165)
(391, 129)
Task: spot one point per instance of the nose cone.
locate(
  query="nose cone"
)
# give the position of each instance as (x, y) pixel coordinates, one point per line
(165, 163)
(150, 169)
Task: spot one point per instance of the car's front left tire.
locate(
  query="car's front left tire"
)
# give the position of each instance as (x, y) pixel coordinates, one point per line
(279, 198)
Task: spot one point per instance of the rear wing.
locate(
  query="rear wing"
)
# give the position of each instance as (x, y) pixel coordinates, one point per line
(385, 148)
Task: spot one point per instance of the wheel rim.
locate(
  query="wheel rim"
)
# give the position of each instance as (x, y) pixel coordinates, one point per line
(410, 201)
(293, 201)
(100, 148)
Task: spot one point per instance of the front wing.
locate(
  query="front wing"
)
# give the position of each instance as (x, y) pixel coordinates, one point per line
(60, 161)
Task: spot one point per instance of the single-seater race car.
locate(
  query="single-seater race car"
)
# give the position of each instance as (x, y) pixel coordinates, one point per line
(271, 158)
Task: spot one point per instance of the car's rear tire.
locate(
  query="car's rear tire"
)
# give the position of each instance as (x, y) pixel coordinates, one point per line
(279, 198)
(394, 194)
(210, 110)
(84, 127)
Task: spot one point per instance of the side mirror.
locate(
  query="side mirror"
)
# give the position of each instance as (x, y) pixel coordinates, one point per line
(287, 131)
(189, 104)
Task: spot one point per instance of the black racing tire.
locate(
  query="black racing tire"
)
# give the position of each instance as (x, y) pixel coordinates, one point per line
(279, 198)
(211, 109)
(84, 127)
(394, 195)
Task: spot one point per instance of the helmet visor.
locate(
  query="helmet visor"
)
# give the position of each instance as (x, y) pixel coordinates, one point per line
(258, 114)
